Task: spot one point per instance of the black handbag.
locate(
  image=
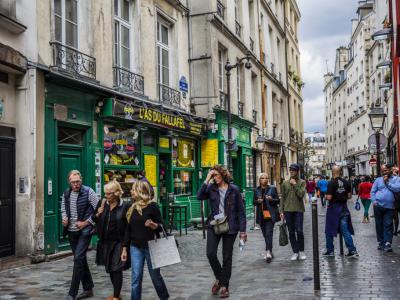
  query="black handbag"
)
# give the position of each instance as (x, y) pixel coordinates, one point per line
(283, 234)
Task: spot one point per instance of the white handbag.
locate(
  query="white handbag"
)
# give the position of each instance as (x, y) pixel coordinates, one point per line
(163, 251)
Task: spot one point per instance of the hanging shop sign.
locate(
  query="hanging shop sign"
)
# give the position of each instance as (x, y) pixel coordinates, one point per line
(155, 117)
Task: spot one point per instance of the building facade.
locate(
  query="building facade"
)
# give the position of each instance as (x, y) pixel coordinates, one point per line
(315, 153)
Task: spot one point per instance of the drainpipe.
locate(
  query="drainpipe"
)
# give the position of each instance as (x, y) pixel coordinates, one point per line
(190, 44)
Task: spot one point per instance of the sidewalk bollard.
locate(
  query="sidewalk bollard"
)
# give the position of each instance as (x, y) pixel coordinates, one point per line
(202, 219)
(317, 283)
(341, 243)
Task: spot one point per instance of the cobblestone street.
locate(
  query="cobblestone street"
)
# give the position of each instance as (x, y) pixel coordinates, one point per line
(375, 275)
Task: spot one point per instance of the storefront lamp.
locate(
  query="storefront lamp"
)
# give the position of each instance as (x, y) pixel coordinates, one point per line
(382, 34)
(384, 64)
(260, 142)
(377, 117)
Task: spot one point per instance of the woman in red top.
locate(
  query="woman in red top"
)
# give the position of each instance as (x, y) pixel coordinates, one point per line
(364, 192)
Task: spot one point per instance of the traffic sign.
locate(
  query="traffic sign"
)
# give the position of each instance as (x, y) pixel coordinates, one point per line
(372, 162)
(382, 142)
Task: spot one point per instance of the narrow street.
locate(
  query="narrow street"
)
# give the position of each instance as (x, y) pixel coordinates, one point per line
(374, 275)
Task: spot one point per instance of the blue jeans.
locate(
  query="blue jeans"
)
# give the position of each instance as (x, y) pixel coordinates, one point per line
(294, 221)
(138, 256)
(344, 229)
(383, 224)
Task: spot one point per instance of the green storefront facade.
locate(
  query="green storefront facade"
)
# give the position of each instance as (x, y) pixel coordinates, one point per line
(107, 138)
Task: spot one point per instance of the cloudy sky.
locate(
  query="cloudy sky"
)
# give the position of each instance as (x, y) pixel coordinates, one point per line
(324, 26)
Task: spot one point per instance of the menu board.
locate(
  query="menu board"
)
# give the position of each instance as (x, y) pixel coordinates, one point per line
(150, 167)
(209, 153)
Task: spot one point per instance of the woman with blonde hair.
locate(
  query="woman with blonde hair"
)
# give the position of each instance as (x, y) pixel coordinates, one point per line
(266, 201)
(144, 221)
(111, 225)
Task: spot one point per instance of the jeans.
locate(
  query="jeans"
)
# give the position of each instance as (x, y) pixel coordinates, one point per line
(267, 228)
(221, 273)
(294, 221)
(138, 256)
(366, 203)
(79, 241)
(344, 229)
(383, 224)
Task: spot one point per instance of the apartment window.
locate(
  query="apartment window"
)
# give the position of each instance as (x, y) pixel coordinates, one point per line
(8, 8)
(238, 81)
(66, 22)
(221, 56)
(122, 30)
(163, 52)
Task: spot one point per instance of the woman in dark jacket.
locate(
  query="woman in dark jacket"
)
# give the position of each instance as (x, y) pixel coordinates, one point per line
(266, 199)
(225, 201)
(111, 224)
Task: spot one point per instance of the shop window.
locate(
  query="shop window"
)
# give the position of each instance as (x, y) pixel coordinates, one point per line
(183, 153)
(149, 140)
(121, 146)
(125, 179)
(249, 171)
(183, 182)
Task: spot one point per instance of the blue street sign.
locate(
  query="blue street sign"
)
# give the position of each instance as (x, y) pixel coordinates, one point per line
(183, 85)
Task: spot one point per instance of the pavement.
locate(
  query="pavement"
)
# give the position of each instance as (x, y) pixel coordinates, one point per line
(374, 275)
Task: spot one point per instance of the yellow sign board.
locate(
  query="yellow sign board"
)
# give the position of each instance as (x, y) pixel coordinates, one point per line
(164, 142)
(209, 153)
(150, 167)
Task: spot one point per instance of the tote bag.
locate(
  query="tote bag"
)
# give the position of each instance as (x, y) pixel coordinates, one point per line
(283, 234)
(163, 251)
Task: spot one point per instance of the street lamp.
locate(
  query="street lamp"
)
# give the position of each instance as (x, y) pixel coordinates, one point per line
(382, 34)
(377, 117)
(228, 68)
(383, 65)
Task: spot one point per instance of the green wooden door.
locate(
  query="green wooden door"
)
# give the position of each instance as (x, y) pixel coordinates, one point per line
(69, 158)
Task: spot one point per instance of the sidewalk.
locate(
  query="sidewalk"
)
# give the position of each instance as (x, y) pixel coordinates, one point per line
(374, 275)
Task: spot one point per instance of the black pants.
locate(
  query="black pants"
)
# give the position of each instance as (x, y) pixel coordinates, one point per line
(294, 221)
(116, 279)
(79, 242)
(221, 273)
(267, 228)
(322, 195)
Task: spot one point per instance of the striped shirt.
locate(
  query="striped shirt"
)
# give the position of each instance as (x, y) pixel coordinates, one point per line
(74, 214)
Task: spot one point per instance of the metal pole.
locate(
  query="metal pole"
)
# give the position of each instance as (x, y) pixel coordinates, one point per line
(202, 218)
(378, 154)
(228, 96)
(317, 283)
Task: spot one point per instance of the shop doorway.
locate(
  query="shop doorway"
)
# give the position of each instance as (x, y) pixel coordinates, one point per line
(70, 157)
(7, 197)
(165, 180)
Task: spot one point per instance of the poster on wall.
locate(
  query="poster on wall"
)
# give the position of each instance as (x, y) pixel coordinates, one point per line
(150, 167)
(209, 153)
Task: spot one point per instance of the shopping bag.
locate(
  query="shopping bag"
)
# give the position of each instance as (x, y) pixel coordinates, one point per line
(283, 234)
(357, 206)
(163, 251)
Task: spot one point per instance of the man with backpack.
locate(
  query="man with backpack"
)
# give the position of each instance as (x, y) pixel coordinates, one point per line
(383, 199)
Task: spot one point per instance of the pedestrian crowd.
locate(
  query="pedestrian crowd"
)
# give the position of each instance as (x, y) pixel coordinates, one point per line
(125, 230)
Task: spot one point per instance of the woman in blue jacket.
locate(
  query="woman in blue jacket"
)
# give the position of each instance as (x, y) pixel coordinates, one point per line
(225, 200)
(266, 199)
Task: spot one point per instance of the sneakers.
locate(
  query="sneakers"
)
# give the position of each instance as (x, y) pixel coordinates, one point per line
(352, 254)
(381, 247)
(302, 255)
(328, 254)
(215, 288)
(294, 257)
(224, 292)
(268, 256)
(388, 247)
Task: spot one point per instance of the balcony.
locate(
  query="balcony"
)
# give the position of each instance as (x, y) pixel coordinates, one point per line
(251, 45)
(169, 96)
(126, 81)
(241, 109)
(238, 29)
(73, 62)
(223, 101)
(254, 116)
(220, 10)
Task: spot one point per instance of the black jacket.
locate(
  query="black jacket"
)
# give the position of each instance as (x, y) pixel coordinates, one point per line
(233, 204)
(101, 221)
(272, 206)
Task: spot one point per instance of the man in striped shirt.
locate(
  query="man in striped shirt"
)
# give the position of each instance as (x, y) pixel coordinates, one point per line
(78, 205)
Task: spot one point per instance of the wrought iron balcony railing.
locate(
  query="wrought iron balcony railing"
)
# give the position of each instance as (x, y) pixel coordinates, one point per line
(220, 10)
(127, 81)
(73, 62)
(241, 109)
(169, 96)
(238, 29)
(223, 100)
(254, 116)
(251, 44)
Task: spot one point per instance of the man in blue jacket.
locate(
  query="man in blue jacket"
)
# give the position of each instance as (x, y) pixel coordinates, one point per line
(382, 196)
(322, 186)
